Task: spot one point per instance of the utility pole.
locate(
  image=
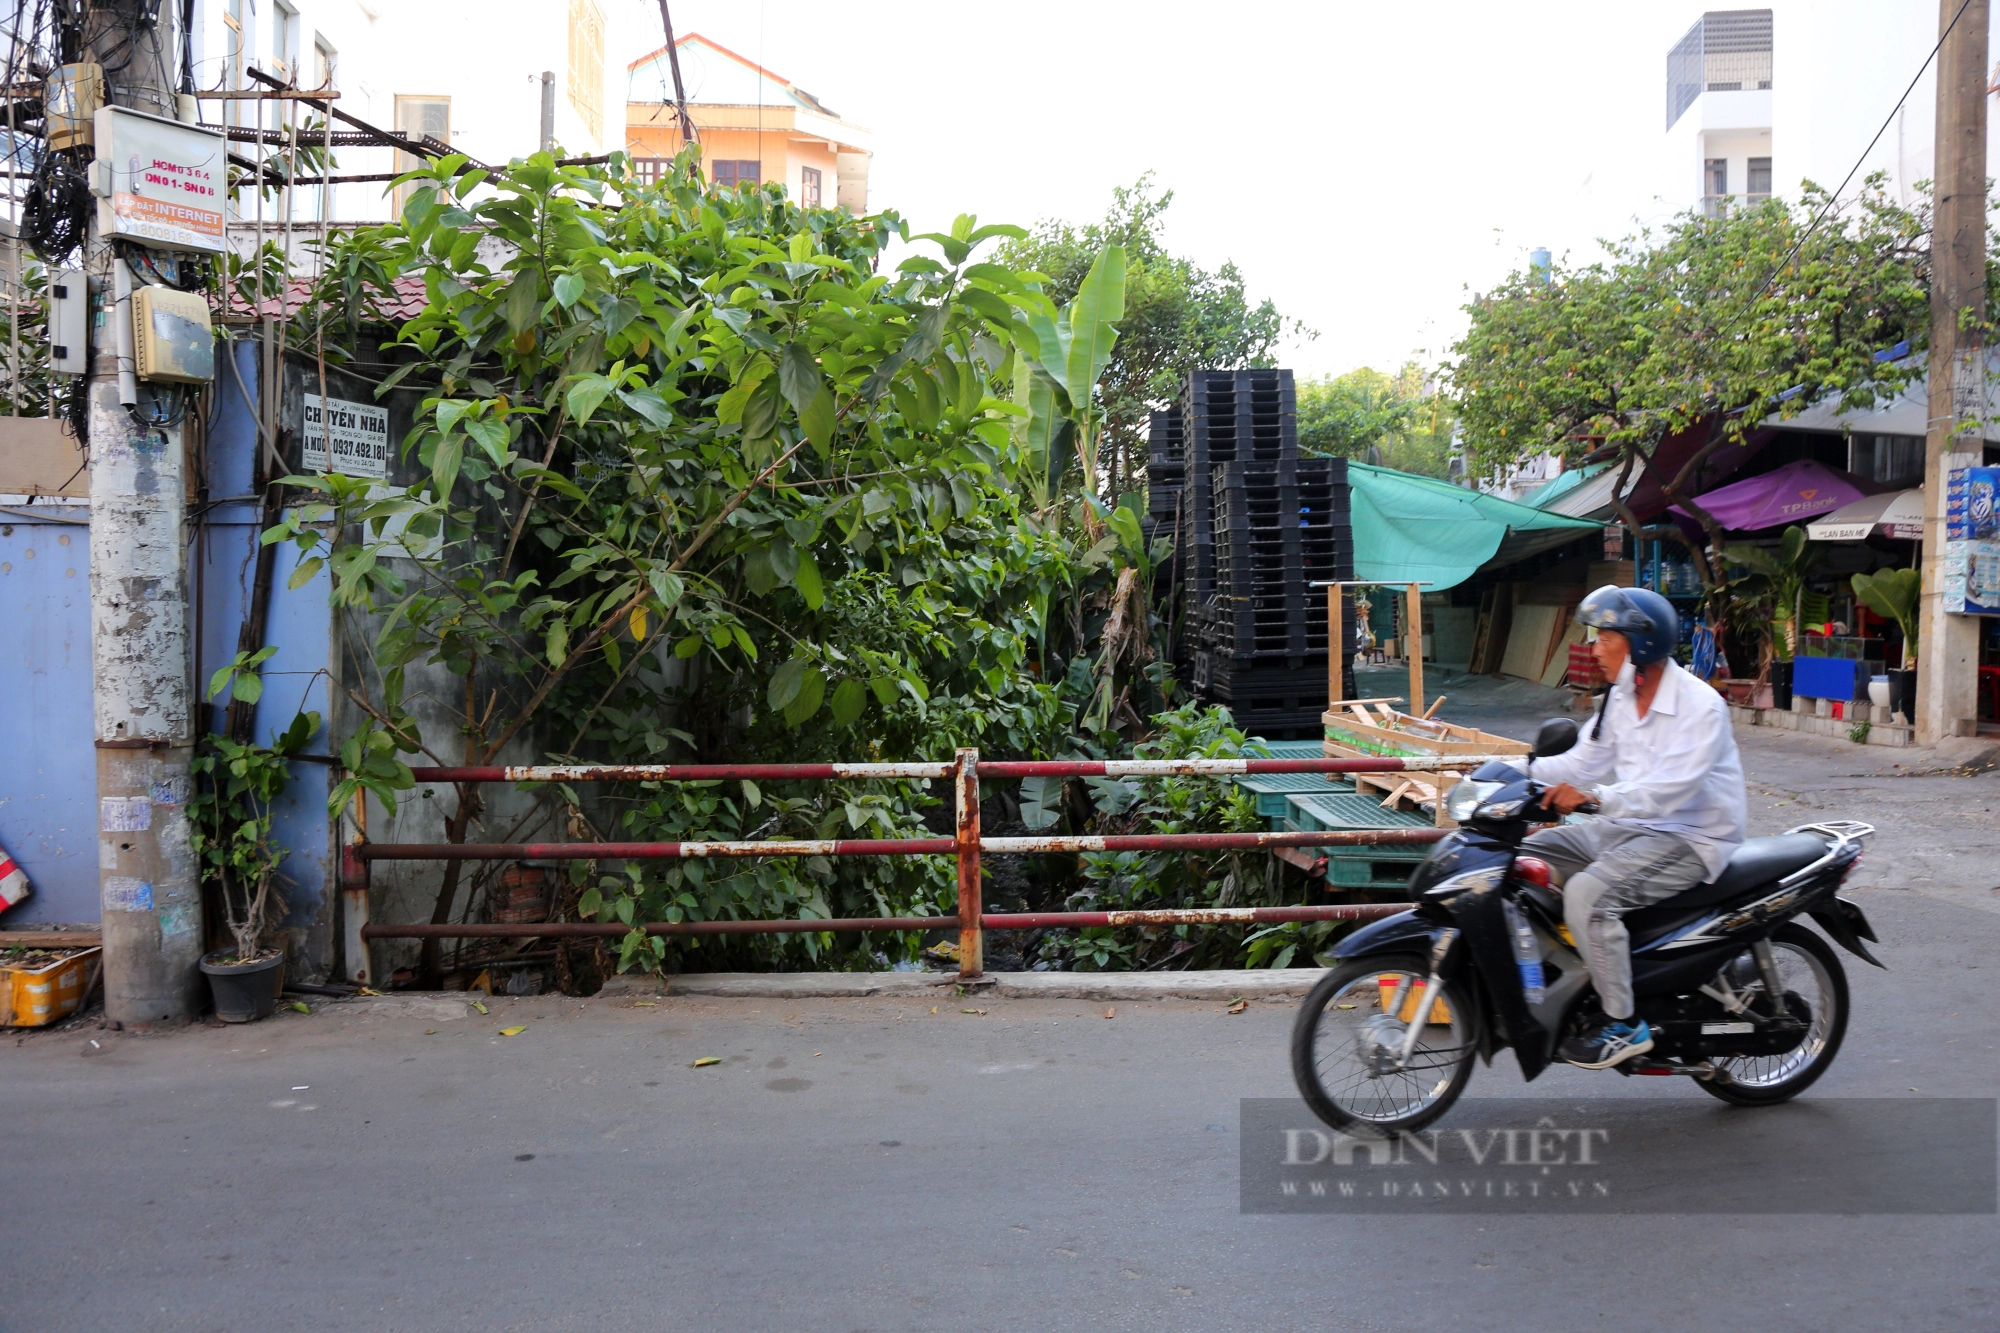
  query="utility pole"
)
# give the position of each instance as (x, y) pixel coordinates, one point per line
(1948, 647)
(674, 63)
(151, 895)
(548, 111)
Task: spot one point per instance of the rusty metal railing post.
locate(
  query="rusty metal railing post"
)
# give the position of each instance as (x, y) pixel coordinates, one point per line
(971, 902)
(357, 875)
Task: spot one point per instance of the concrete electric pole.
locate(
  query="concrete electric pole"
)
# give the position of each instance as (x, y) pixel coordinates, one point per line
(139, 649)
(1948, 648)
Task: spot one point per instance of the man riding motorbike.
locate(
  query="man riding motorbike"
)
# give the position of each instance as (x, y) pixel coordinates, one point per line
(1660, 763)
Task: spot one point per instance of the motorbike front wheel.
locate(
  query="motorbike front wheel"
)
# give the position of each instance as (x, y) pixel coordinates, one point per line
(1347, 1049)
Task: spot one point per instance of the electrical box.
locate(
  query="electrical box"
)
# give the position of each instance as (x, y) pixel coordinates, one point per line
(69, 322)
(70, 99)
(171, 341)
(159, 182)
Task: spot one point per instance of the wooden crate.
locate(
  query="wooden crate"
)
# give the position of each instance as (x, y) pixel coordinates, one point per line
(1372, 730)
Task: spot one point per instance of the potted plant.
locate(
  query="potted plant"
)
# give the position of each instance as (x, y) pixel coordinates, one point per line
(1779, 577)
(229, 818)
(1894, 593)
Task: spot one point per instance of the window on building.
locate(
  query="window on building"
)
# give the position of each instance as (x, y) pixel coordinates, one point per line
(809, 194)
(326, 63)
(232, 44)
(649, 170)
(1715, 186)
(1893, 460)
(1758, 182)
(419, 117)
(284, 40)
(586, 65)
(730, 173)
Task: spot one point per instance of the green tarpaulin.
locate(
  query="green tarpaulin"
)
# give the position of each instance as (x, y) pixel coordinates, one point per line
(1410, 529)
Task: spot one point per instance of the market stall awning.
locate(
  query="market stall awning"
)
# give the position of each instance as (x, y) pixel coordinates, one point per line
(1790, 494)
(1411, 529)
(1898, 514)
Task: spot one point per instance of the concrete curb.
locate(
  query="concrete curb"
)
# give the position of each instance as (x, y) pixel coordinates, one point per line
(1218, 985)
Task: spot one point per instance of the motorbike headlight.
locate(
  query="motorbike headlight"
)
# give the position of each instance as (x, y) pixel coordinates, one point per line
(1466, 795)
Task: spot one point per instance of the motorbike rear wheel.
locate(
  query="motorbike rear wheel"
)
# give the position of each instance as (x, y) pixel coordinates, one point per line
(1345, 1049)
(1810, 971)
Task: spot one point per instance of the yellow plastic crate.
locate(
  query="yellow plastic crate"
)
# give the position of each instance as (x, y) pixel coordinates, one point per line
(33, 997)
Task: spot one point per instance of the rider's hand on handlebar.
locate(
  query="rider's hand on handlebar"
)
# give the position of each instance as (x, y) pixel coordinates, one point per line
(1565, 799)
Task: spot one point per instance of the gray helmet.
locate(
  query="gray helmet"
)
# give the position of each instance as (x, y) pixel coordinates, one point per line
(1646, 619)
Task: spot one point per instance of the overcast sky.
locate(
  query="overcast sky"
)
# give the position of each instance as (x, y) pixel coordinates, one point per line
(1364, 165)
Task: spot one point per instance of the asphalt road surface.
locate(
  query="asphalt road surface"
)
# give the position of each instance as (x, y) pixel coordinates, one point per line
(853, 1164)
(862, 1164)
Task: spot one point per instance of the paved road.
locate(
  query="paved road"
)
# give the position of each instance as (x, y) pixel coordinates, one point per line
(855, 1164)
(860, 1165)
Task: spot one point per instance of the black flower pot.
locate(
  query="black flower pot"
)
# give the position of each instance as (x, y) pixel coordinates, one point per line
(1781, 685)
(244, 992)
(1903, 693)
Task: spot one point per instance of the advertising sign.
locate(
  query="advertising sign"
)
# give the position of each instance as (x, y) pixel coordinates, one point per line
(357, 432)
(1971, 575)
(161, 182)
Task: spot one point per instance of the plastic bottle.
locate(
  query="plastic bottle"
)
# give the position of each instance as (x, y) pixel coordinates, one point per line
(1527, 955)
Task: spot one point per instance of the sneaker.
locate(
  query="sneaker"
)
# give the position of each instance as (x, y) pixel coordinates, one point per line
(1609, 1045)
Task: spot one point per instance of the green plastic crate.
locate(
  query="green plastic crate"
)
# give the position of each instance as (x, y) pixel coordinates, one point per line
(1273, 791)
(1359, 867)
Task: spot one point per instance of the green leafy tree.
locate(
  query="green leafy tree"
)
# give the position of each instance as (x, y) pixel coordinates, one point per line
(1177, 316)
(1713, 326)
(1399, 421)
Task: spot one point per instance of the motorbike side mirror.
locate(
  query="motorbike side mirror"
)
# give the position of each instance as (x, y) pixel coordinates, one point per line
(1557, 735)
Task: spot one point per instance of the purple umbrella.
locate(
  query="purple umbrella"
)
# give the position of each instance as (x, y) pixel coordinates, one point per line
(1791, 494)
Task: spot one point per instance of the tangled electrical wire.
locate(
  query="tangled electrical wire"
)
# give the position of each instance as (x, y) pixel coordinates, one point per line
(55, 217)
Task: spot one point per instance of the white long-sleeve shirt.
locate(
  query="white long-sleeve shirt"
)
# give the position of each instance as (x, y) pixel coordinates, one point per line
(1675, 770)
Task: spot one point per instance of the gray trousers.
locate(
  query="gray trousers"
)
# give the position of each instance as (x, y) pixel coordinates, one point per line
(1605, 871)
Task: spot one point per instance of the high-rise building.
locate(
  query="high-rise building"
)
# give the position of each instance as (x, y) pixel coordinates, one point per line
(1719, 109)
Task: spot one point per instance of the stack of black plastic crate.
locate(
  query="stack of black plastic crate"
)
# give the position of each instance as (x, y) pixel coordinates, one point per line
(1259, 525)
(1166, 476)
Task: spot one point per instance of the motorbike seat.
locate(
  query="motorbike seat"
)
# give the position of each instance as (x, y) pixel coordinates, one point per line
(1752, 867)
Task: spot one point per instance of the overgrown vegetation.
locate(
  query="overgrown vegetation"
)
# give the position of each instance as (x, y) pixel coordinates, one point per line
(699, 481)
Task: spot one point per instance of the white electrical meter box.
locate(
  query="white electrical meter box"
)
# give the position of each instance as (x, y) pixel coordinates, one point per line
(159, 182)
(171, 341)
(69, 322)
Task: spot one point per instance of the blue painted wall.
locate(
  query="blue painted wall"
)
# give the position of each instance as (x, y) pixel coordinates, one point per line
(48, 780)
(299, 623)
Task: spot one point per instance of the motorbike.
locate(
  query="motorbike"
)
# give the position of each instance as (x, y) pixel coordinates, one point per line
(1741, 996)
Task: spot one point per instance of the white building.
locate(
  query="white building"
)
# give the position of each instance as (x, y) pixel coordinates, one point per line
(456, 71)
(1719, 108)
(1758, 100)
